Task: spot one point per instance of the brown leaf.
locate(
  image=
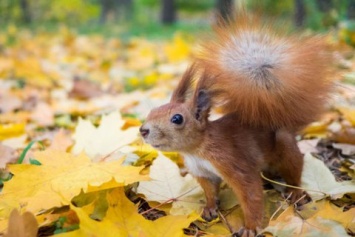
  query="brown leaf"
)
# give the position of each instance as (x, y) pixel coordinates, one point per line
(7, 154)
(24, 225)
(9, 103)
(85, 89)
(43, 114)
(61, 141)
(345, 136)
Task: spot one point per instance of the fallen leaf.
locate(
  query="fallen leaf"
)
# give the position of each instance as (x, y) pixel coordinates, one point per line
(345, 136)
(24, 225)
(329, 211)
(346, 149)
(85, 89)
(8, 155)
(98, 142)
(348, 113)
(43, 115)
(308, 146)
(61, 141)
(316, 176)
(11, 130)
(178, 49)
(15, 117)
(9, 103)
(141, 56)
(59, 178)
(167, 185)
(16, 142)
(122, 219)
(289, 225)
(316, 129)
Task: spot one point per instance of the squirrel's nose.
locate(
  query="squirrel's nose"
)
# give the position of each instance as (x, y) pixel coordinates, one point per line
(144, 132)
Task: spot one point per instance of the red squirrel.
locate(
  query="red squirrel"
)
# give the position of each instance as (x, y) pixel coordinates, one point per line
(267, 85)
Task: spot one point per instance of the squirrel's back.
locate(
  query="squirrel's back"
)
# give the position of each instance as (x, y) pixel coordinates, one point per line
(269, 79)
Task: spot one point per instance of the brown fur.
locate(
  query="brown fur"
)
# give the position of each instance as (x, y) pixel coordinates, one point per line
(180, 93)
(292, 92)
(257, 131)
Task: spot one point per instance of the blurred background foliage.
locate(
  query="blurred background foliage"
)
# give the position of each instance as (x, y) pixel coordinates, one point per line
(159, 18)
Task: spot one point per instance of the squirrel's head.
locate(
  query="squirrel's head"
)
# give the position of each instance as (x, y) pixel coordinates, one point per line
(180, 124)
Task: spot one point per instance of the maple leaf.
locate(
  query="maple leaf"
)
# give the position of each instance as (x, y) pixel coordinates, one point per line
(316, 129)
(105, 139)
(178, 49)
(85, 89)
(316, 176)
(9, 102)
(142, 55)
(11, 130)
(326, 210)
(348, 113)
(31, 69)
(308, 145)
(60, 177)
(43, 114)
(168, 185)
(122, 219)
(61, 141)
(16, 142)
(8, 155)
(287, 224)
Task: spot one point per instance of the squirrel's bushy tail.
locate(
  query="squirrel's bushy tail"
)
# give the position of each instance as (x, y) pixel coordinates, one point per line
(268, 78)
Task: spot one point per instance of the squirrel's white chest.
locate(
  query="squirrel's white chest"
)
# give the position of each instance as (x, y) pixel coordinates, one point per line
(199, 167)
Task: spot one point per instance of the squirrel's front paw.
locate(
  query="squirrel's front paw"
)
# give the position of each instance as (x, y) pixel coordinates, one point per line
(244, 232)
(209, 213)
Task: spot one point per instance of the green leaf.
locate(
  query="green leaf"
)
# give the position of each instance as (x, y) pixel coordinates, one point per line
(24, 152)
(35, 162)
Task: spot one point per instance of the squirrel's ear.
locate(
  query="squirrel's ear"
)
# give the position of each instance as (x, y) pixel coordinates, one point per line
(185, 84)
(202, 105)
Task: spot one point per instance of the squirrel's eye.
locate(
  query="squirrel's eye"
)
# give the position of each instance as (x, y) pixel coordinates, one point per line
(177, 119)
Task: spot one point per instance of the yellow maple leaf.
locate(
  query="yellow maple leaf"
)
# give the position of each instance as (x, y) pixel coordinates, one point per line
(6, 65)
(326, 222)
(316, 129)
(141, 55)
(122, 219)
(11, 130)
(60, 177)
(329, 211)
(178, 50)
(348, 113)
(32, 71)
(15, 117)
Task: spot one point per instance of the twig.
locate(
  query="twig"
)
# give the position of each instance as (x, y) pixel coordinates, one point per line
(225, 221)
(279, 208)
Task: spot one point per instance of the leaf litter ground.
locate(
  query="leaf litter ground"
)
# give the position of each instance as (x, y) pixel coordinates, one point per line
(83, 98)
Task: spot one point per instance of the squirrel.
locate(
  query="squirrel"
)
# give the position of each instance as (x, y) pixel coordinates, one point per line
(267, 86)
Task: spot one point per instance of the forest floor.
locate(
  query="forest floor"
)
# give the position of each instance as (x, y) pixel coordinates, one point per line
(72, 162)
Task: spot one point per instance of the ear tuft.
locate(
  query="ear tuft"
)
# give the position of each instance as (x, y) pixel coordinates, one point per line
(185, 85)
(203, 104)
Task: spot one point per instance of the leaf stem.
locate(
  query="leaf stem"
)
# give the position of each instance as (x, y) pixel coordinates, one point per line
(291, 186)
